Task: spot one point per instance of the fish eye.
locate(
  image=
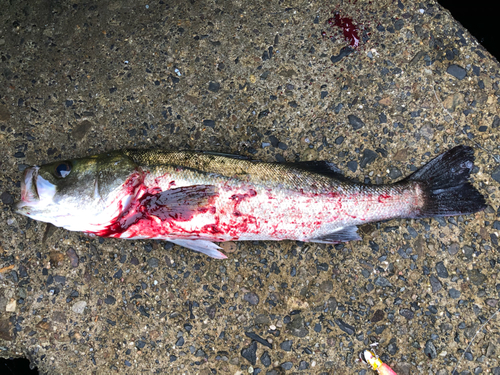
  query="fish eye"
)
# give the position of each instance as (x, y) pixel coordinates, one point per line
(62, 169)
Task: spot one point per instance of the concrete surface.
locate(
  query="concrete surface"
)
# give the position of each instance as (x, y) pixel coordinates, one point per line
(258, 79)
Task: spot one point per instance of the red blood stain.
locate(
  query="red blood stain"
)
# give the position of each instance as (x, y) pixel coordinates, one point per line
(211, 229)
(145, 209)
(155, 213)
(239, 225)
(349, 29)
(239, 197)
(382, 198)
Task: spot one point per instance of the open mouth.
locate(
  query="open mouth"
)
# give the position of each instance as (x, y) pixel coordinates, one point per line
(35, 190)
(29, 191)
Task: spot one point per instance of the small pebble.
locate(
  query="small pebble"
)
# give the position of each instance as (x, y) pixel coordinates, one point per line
(456, 71)
(453, 293)
(251, 298)
(382, 281)
(110, 300)
(435, 284)
(430, 349)
(368, 157)
(6, 198)
(476, 277)
(356, 122)
(392, 348)
(265, 359)
(250, 353)
(286, 345)
(11, 305)
(495, 174)
(395, 173)
(287, 366)
(73, 257)
(180, 341)
(209, 123)
(378, 316)
(407, 313)
(211, 310)
(153, 262)
(352, 165)
(214, 86)
(140, 344)
(303, 365)
(453, 248)
(441, 270)
(345, 51)
(201, 353)
(79, 307)
(344, 326)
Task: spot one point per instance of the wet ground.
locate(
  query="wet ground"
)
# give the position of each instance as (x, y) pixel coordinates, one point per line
(379, 90)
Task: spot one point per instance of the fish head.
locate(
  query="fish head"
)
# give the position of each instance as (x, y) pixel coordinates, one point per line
(80, 193)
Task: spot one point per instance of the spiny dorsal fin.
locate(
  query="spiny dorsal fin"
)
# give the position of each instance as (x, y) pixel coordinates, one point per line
(321, 167)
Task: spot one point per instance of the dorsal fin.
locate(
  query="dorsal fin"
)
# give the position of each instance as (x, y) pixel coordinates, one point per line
(321, 167)
(232, 156)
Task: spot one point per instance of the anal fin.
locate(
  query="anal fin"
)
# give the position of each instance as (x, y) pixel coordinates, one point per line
(202, 246)
(343, 234)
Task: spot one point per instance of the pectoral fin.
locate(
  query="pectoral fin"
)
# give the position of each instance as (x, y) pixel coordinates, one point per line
(180, 203)
(203, 246)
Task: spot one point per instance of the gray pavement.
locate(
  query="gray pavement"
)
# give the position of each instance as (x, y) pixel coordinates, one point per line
(273, 81)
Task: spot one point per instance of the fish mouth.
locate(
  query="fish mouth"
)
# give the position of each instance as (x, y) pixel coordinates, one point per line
(36, 191)
(29, 189)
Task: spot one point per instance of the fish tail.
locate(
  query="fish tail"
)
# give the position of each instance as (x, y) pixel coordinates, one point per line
(446, 187)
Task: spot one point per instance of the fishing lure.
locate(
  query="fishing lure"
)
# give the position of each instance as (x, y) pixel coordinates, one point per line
(376, 363)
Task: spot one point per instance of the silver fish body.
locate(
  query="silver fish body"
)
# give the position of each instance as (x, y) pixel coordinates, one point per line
(194, 199)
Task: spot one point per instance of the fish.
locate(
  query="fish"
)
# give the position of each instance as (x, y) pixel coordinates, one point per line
(197, 199)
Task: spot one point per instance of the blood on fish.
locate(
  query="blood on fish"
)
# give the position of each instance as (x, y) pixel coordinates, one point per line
(155, 213)
(239, 197)
(383, 197)
(143, 209)
(333, 194)
(211, 229)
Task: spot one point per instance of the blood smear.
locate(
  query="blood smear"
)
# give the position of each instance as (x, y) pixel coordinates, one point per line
(349, 29)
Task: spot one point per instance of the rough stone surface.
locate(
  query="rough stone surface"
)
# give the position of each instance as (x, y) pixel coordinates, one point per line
(254, 78)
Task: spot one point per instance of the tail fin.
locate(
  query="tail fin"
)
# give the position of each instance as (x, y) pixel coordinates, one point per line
(445, 184)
